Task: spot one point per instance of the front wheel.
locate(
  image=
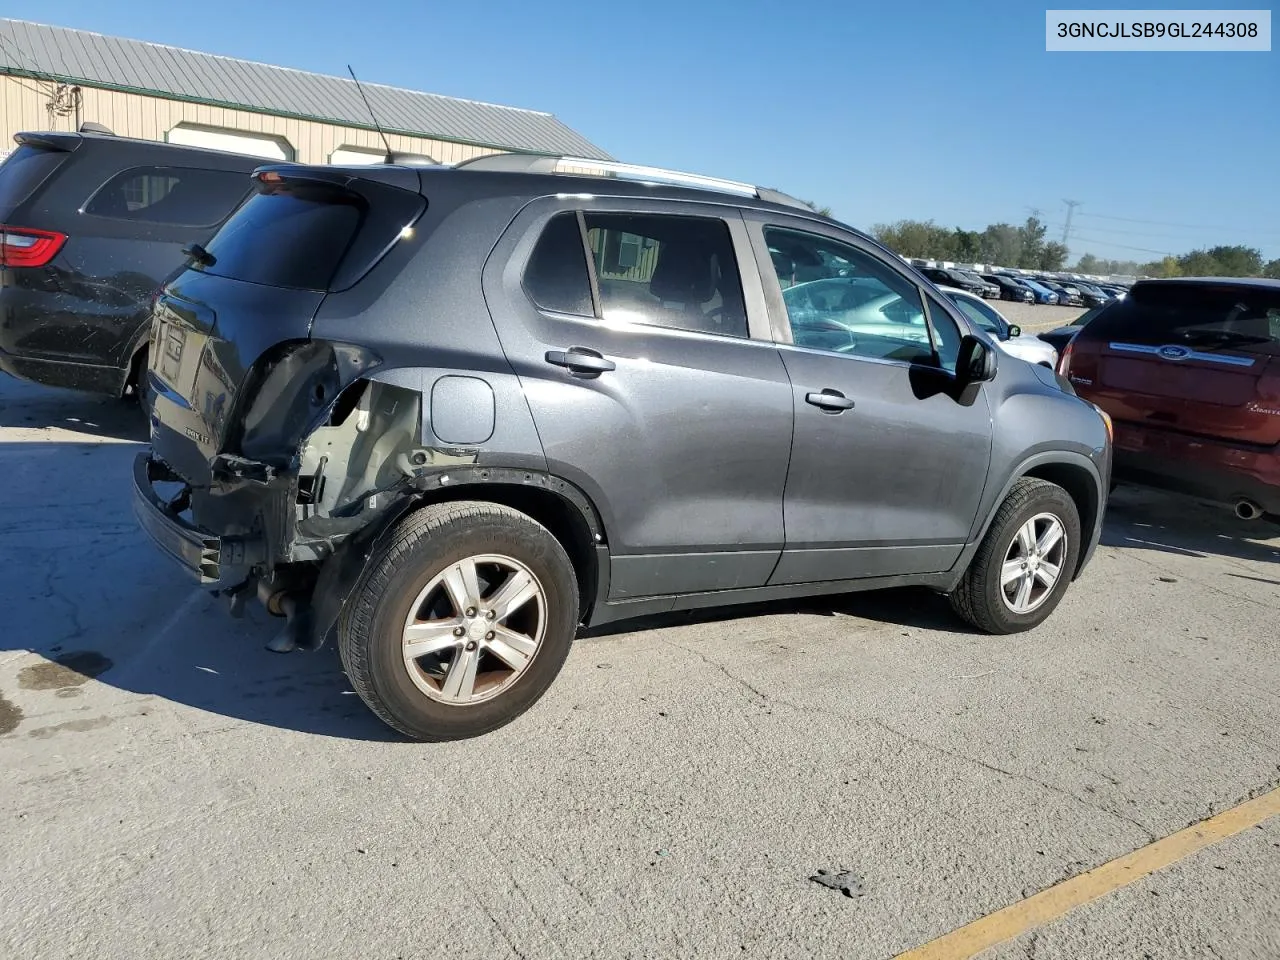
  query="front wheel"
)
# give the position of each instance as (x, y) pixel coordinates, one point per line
(1025, 562)
(461, 622)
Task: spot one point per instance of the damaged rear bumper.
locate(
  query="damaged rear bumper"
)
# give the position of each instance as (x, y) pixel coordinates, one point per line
(210, 559)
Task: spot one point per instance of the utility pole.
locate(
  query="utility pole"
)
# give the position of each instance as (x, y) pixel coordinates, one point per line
(1066, 228)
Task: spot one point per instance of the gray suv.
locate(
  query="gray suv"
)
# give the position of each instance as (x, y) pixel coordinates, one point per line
(451, 415)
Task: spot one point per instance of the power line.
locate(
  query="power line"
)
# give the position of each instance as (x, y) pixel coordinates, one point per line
(1167, 223)
(1124, 246)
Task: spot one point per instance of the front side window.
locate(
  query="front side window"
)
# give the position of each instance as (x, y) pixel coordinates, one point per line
(667, 271)
(841, 299)
(172, 195)
(982, 315)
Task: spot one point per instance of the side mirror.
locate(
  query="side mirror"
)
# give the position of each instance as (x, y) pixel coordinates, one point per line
(976, 362)
(1014, 330)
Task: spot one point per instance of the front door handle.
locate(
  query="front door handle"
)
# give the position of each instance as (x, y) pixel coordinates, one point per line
(581, 361)
(829, 401)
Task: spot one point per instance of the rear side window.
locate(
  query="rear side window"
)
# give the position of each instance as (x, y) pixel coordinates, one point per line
(24, 170)
(556, 277)
(311, 236)
(1204, 317)
(667, 271)
(171, 195)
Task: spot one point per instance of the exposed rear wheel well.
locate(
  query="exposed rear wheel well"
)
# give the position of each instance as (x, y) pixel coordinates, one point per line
(1079, 484)
(137, 370)
(562, 518)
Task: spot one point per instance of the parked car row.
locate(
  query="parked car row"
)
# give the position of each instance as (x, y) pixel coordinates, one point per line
(449, 415)
(1022, 287)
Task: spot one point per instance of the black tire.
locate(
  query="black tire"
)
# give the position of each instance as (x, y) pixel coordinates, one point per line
(420, 547)
(135, 388)
(979, 599)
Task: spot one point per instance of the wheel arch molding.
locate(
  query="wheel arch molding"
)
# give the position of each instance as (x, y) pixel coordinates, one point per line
(559, 505)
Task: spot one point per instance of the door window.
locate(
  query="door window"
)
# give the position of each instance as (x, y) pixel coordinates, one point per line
(982, 315)
(667, 271)
(846, 301)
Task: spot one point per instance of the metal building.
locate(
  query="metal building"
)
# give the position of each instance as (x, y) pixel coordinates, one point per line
(54, 78)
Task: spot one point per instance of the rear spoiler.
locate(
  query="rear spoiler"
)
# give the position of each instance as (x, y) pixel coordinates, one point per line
(51, 140)
(401, 177)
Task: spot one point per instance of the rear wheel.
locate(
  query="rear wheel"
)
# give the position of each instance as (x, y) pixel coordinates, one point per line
(1025, 562)
(461, 622)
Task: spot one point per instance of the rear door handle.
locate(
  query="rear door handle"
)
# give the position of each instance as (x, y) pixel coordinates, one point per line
(829, 401)
(581, 361)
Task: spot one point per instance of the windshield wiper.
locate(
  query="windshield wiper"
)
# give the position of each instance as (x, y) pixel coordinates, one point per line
(199, 255)
(1223, 338)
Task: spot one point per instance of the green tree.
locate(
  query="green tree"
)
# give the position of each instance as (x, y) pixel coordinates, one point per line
(910, 238)
(1168, 267)
(1222, 261)
(1053, 256)
(1031, 250)
(1272, 269)
(966, 245)
(1002, 245)
(1088, 264)
(820, 211)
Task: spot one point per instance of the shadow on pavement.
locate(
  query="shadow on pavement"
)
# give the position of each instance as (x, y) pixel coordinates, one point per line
(28, 406)
(83, 589)
(1144, 519)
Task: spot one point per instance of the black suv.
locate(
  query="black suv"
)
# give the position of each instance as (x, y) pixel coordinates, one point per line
(970, 283)
(452, 414)
(1010, 289)
(92, 225)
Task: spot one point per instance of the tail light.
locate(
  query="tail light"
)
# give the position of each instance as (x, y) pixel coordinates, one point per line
(23, 247)
(1064, 361)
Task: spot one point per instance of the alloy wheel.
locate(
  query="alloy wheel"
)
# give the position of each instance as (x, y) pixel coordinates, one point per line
(474, 629)
(1033, 563)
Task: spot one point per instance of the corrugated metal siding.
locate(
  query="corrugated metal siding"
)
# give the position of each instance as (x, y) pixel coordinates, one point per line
(86, 58)
(150, 118)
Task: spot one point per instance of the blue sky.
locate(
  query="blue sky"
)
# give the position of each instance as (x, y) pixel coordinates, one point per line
(881, 111)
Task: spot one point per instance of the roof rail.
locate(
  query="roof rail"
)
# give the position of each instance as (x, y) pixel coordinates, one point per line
(584, 167)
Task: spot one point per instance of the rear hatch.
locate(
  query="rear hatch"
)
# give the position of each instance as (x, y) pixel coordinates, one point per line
(249, 298)
(1201, 359)
(35, 161)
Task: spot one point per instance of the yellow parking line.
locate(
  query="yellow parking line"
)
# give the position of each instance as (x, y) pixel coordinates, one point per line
(1050, 904)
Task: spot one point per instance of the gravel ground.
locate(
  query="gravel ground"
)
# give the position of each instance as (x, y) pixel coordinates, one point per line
(171, 789)
(1036, 317)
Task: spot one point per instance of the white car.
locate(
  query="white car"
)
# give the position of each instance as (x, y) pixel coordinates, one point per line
(1008, 336)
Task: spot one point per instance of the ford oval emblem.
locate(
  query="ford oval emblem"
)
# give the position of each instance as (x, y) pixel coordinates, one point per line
(1174, 352)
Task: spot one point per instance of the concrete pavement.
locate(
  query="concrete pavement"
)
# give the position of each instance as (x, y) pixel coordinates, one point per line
(173, 790)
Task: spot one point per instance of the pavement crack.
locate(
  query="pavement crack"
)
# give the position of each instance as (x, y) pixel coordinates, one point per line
(745, 684)
(1044, 785)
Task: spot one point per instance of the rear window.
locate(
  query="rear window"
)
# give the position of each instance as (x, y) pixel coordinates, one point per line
(311, 237)
(1218, 316)
(24, 170)
(172, 195)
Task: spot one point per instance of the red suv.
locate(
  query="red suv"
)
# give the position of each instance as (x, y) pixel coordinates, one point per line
(1189, 371)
